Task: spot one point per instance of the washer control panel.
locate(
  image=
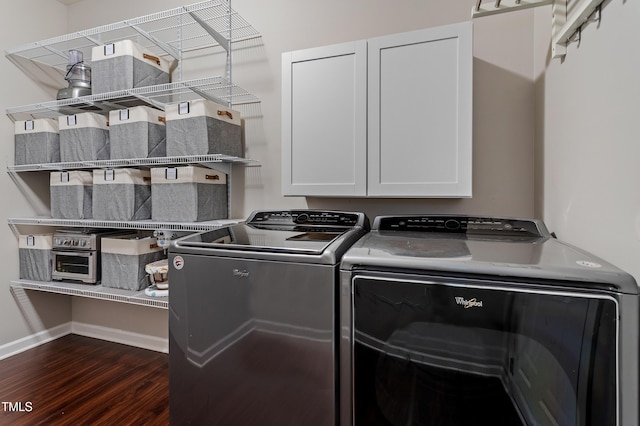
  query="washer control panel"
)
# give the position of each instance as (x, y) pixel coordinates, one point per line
(307, 217)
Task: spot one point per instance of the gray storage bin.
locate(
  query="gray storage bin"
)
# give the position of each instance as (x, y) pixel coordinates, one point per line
(203, 127)
(37, 141)
(35, 257)
(137, 132)
(83, 137)
(125, 65)
(124, 258)
(188, 194)
(121, 194)
(71, 194)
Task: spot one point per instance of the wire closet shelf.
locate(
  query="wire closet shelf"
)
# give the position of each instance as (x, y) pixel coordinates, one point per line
(168, 33)
(172, 33)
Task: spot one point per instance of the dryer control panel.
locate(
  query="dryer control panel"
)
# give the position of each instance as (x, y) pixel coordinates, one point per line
(462, 224)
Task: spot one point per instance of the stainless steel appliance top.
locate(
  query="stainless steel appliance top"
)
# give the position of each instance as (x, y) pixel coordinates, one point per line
(465, 245)
(294, 232)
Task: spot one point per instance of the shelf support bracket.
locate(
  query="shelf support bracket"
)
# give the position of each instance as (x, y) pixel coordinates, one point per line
(14, 229)
(558, 20)
(223, 41)
(209, 96)
(150, 101)
(165, 46)
(501, 6)
(565, 31)
(566, 25)
(219, 38)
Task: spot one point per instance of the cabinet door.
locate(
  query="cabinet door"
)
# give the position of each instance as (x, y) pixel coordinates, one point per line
(420, 113)
(324, 121)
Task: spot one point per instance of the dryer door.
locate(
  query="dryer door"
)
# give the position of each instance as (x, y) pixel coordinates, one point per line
(453, 353)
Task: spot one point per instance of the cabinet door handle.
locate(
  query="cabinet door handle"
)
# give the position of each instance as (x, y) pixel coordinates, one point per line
(227, 113)
(151, 58)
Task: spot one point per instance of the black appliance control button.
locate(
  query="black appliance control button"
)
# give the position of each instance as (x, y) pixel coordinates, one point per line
(452, 224)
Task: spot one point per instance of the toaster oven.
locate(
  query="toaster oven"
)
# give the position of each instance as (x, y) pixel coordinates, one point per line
(76, 255)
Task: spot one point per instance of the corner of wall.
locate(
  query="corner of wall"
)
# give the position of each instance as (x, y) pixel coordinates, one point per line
(28, 342)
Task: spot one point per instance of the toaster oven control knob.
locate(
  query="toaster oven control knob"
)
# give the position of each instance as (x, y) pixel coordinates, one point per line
(83, 243)
(74, 242)
(66, 242)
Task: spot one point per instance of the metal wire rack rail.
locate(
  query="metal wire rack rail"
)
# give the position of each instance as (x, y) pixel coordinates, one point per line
(210, 160)
(93, 292)
(212, 88)
(116, 224)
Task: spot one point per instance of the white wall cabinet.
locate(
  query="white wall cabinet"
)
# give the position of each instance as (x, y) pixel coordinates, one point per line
(324, 110)
(385, 117)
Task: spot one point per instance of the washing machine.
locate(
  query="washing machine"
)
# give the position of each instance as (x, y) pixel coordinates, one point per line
(252, 320)
(456, 320)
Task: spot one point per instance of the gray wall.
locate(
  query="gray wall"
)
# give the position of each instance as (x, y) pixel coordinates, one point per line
(24, 313)
(503, 89)
(504, 109)
(503, 175)
(588, 133)
(576, 118)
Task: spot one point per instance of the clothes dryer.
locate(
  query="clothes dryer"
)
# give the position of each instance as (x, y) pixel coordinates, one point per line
(452, 320)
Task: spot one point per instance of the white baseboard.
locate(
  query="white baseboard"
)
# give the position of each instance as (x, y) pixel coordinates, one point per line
(37, 339)
(143, 341)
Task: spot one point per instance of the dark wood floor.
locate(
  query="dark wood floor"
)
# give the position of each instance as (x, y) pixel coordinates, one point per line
(77, 380)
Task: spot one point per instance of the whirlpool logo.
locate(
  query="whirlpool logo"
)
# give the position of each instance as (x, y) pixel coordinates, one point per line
(240, 273)
(468, 303)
